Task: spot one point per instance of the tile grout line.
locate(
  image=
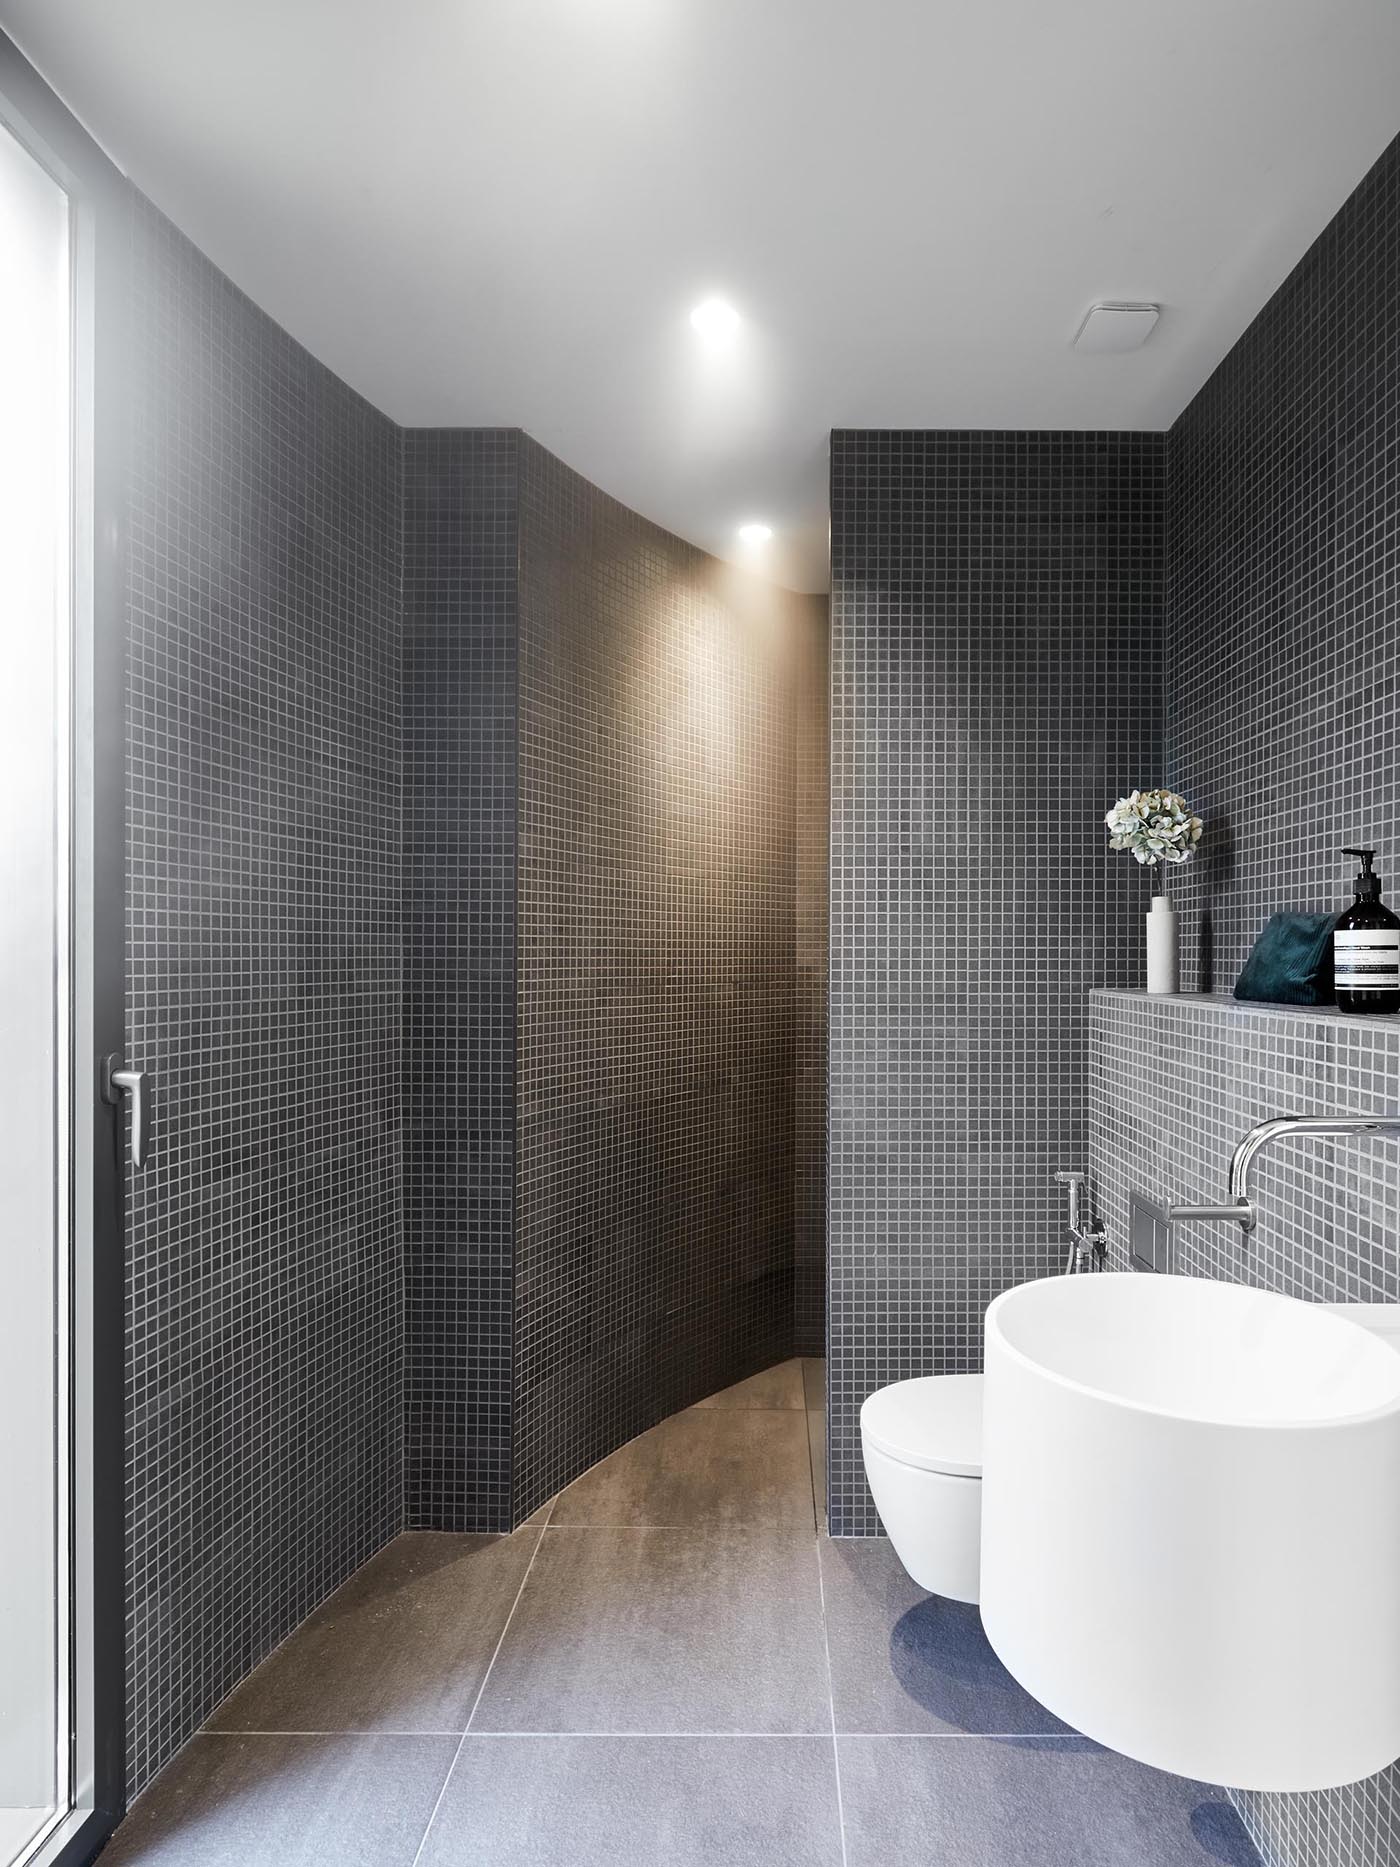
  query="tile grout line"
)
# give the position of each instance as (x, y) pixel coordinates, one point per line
(818, 1509)
(366, 1732)
(747, 1528)
(831, 1702)
(777, 1737)
(485, 1677)
(812, 1468)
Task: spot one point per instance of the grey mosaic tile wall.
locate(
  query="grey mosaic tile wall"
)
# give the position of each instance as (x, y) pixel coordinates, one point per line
(1284, 573)
(264, 1337)
(996, 669)
(1173, 1085)
(658, 1013)
(460, 627)
(813, 822)
(1284, 603)
(602, 1180)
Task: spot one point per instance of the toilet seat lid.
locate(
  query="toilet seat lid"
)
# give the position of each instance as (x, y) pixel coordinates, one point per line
(933, 1423)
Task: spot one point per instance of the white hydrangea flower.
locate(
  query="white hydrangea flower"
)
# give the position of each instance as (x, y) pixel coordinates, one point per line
(1157, 826)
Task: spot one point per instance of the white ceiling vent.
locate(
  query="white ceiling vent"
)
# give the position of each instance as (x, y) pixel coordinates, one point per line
(1110, 329)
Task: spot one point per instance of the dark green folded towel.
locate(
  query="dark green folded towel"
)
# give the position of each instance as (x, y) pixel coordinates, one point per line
(1291, 963)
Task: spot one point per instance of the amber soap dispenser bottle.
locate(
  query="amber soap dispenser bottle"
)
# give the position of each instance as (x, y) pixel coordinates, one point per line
(1366, 947)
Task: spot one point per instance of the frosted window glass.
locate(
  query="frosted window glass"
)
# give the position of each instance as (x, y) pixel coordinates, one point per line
(35, 629)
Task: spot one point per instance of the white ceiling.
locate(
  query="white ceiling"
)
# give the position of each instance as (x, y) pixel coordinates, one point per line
(502, 211)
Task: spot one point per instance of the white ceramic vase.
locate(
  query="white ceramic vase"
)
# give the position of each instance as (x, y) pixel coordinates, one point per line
(1162, 969)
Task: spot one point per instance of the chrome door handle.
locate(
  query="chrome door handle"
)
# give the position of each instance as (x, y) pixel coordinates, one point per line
(130, 1084)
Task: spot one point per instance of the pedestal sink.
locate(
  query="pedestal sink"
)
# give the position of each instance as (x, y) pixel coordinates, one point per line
(1191, 1524)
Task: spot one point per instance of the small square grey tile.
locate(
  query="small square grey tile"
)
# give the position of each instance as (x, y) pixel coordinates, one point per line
(287, 1802)
(661, 1631)
(906, 1661)
(630, 1801)
(705, 1466)
(403, 1646)
(1026, 1802)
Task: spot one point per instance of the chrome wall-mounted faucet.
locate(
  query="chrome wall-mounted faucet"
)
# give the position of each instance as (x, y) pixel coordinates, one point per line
(1088, 1249)
(1240, 1207)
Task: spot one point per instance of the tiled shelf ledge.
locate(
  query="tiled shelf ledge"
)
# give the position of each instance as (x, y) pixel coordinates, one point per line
(1234, 1010)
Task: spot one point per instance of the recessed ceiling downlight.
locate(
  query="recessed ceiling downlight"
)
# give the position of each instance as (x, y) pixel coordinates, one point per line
(715, 318)
(1111, 328)
(755, 533)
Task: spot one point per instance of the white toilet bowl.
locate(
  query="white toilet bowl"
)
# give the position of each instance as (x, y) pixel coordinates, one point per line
(922, 1442)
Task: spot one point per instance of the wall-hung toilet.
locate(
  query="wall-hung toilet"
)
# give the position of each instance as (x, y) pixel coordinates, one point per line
(922, 1441)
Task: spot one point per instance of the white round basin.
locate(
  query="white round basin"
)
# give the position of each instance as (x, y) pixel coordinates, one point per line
(1191, 1525)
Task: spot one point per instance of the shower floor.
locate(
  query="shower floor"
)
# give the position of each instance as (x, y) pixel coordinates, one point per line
(669, 1664)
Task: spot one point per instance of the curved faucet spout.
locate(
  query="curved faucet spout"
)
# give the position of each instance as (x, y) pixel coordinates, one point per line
(1240, 1207)
(1281, 1127)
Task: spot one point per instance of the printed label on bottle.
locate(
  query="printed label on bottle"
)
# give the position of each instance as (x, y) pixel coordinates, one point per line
(1366, 959)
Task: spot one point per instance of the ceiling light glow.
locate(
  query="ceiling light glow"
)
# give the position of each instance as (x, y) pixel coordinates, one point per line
(755, 532)
(714, 319)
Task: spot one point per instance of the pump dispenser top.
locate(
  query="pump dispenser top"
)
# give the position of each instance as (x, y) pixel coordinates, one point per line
(1367, 885)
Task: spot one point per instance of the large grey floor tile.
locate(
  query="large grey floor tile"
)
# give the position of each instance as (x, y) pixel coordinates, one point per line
(664, 1630)
(403, 1646)
(639, 1802)
(1026, 1802)
(704, 1466)
(814, 1383)
(287, 1802)
(780, 1386)
(902, 1660)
